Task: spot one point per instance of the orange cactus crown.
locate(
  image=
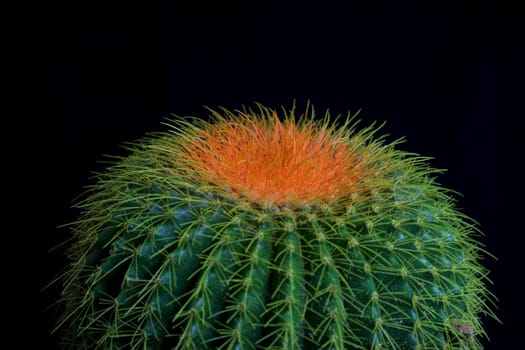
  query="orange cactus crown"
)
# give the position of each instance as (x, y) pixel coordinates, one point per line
(276, 162)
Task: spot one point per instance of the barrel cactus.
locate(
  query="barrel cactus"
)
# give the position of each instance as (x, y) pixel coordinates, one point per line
(265, 229)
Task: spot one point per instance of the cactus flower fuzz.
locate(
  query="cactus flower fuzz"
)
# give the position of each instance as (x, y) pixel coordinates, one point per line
(264, 229)
(277, 163)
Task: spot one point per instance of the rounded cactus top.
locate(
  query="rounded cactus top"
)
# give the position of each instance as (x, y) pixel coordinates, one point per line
(265, 229)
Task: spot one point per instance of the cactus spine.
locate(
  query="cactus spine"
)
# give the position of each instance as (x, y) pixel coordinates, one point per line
(259, 232)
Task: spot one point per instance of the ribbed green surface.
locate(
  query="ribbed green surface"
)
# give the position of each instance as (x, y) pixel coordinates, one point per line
(190, 271)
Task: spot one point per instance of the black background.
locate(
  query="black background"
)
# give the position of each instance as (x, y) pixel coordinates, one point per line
(448, 76)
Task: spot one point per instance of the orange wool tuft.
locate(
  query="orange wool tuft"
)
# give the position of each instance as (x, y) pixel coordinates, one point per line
(273, 162)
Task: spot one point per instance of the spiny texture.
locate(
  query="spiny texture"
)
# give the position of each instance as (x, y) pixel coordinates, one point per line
(259, 232)
(276, 162)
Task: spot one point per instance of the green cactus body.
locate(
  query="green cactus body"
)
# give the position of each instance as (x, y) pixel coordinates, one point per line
(254, 232)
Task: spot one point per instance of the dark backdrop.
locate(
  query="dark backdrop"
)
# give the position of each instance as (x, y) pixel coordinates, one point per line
(448, 76)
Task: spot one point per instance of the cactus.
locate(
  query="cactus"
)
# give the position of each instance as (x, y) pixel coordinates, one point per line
(266, 230)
